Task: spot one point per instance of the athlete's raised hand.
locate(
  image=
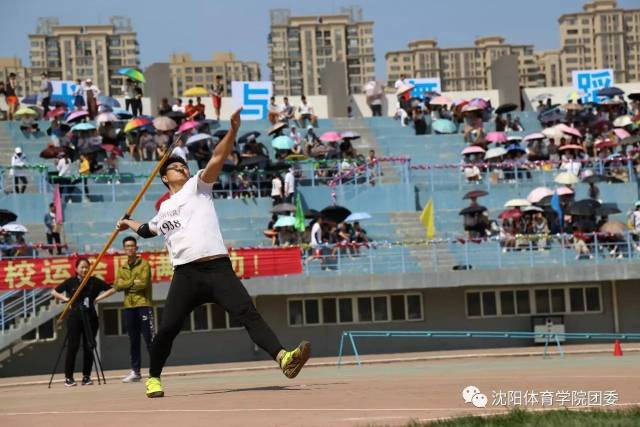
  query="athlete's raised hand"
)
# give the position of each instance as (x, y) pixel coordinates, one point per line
(235, 119)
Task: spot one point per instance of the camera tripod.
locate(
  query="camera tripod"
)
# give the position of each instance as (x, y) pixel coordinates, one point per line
(87, 334)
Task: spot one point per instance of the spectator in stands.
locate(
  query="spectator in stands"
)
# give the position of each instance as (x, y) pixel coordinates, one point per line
(200, 109)
(18, 171)
(274, 111)
(64, 167)
(137, 101)
(293, 134)
(289, 186)
(84, 170)
(569, 163)
(271, 231)
(316, 242)
(94, 291)
(343, 235)
(190, 110)
(633, 223)
(580, 240)
(217, 90)
(133, 141)
(91, 93)
(419, 122)
(112, 166)
(21, 248)
(79, 96)
(508, 232)
(147, 145)
(181, 149)
(177, 106)
(306, 113)
(11, 95)
(358, 237)
(164, 107)
(129, 95)
(501, 124)
(286, 111)
(46, 90)
(53, 229)
(400, 81)
(540, 229)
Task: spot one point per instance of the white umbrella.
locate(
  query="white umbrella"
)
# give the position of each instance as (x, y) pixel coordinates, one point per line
(553, 132)
(622, 121)
(492, 153)
(357, 216)
(197, 138)
(106, 117)
(517, 203)
(404, 87)
(15, 228)
(566, 178)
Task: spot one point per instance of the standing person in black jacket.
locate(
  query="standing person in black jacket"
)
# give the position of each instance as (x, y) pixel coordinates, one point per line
(94, 291)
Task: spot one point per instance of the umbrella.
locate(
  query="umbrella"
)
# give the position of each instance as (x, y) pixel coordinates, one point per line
(105, 109)
(278, 167)
(571, 147)
(164, 123)
(534, 136)
(555, 116)
(593, 179)
(569, 130)
(482, 103)
(472, 210)
(517, 203)
(613, 227)
(25, 112)
(357, 216)
(474, 194)
(563, 191)
(610, 92)
(538, 194)
(444, 126)
(530, 209)
(630, 140)
(515, 147)
(76, 115)
(607, 209)
(440, 100)
(195, 91)
(331, 136)
(621, 133)
(275, 128)
(56, 112)
(496, 137)
(510, 214)
(187, 126)
(132, 73)
(493, 153)
(83, 127)
(350, 135)
(7, 216)
(221, 133)
(285, 221)
(585, 207)
(110, 148)
(610, 101)
(52, 152)
(623, 121)
(471, 107)
(197, 138)
(283, 207)
(106, 117)
(552, 132)
(15, 228)
(403, 88)
(506, 108)
(109, 101)
(602, 144)
(335, 213)
(474, 149)
(122, 113)
(249, 135)
(136, 123)
(514, 138)
(250, 162)
(64, 128)
(541, 97)
(634, 96)
(566, 178)
(311, 214)
(282, 142)
(176, 115)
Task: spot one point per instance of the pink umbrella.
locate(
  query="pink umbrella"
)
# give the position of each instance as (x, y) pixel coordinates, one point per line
(571, 147)
(187, 126)
(538, 194)
(474, 149)
(569, 130)
(564, 191)
(479, 102)
(621, 133)
(496, 137)
(76, 115)
(534, 136)
(607, 143)
(471, 107)
(440, 100)
(331, 136)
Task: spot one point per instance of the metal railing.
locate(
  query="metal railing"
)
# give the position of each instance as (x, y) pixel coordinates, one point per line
(21, 304)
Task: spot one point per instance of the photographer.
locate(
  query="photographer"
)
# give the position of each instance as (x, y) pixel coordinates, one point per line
(83, 310)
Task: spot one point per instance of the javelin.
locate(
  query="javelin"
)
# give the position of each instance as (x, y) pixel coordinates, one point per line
(115, 232)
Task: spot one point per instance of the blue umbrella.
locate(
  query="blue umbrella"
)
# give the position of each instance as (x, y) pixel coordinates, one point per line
(107, 100)
(285, 221)
(444, 126)
(197, 138)
(122, 113)
(357, 216)
(83, 126)
(282, 142)
(33, 99)
(515, 147)
(610, 92)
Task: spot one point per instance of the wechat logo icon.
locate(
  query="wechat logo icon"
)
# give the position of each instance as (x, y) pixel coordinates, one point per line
(471, 394)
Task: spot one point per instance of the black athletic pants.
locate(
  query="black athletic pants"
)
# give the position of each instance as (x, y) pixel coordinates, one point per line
(139, 320)
(75, 329)
(195, 284)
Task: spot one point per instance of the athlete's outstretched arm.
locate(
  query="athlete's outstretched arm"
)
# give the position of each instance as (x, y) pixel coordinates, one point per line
(223, 149)
(142, 229)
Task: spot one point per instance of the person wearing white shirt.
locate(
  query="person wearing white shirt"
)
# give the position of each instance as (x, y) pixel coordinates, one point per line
(276, 190)
(399, 82)
(202, 269)
(178, 107)
(181, 150)
(306, 113)
(289, 186)
(315, 242)
(18, 171)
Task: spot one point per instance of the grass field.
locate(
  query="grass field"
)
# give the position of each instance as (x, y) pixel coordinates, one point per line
(561, 418)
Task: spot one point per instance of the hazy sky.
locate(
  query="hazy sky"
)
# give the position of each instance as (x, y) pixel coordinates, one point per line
(241, 26)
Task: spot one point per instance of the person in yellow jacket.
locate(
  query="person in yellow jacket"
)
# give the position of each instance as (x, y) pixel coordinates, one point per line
(134, 279)
(85, 170)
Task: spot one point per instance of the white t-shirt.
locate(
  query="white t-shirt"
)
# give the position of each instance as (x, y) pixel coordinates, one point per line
(180, 152)
(289, 183)
(17, 161)
(276, 187)
(189, 223)
(177, 108)
(316, 235)
(305, 108)
(64, 167)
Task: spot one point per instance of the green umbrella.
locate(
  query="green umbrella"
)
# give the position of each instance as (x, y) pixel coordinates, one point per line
(282, 142)
(132, 73)
(299, 224)
(444, 126)
(83, 126)
(285, 221)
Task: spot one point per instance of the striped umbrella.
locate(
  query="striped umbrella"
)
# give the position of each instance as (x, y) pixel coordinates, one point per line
(136, 123)
(132, 73)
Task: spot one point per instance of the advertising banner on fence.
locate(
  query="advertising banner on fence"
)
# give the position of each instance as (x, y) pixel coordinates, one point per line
(591, 81)
(422, 85)
(253, 97)
(49, 272)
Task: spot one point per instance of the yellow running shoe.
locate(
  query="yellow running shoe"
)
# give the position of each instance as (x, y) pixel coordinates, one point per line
(292, 361)
(154, 387)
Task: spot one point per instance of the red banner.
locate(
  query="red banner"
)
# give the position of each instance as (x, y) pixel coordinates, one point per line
(49, 272)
